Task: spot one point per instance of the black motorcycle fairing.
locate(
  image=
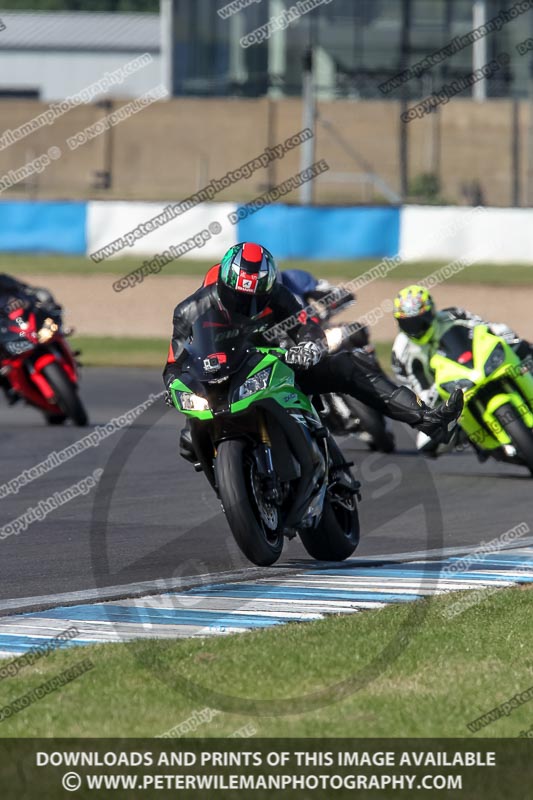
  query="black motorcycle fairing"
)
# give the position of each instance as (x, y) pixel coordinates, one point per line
(20, 322)
(219, 358)
(305, 454)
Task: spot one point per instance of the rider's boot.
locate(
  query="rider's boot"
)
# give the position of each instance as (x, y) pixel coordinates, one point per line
(438, 423)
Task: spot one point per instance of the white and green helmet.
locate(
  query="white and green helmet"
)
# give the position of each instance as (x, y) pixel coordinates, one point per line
(246, 278)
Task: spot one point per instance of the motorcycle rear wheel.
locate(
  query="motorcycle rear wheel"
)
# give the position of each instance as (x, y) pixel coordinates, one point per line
(67, 397)
(373, 423)
(248, 518)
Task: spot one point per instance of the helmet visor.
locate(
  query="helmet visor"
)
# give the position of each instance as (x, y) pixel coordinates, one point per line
(416, 327)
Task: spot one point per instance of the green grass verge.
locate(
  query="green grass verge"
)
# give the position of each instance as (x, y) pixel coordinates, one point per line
(109, 351)
(497, 274)
(446, 673)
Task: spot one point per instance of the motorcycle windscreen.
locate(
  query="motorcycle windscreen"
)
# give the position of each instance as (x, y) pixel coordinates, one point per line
(456, 344)
(218, 347)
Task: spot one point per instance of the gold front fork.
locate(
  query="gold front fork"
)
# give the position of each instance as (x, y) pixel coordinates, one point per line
(263, 431)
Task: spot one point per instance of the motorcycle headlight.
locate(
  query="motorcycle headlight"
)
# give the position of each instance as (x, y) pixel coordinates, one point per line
(462, 383)
(495, 360)
(192, 402)
(47, 331)
(256, 383)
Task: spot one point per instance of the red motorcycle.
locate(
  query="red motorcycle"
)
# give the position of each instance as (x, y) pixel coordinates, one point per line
(38, 363)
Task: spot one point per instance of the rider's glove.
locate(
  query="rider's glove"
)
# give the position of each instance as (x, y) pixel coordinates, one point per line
(304, 355)
(440, 422)
(504, 332)
(168, 399)
(43, 296)
(46, 299)
(47, 302)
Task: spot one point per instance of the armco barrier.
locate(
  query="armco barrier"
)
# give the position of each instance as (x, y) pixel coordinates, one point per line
(42, 226)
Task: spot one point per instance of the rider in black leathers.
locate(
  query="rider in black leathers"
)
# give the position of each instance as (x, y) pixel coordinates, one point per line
(248, 293)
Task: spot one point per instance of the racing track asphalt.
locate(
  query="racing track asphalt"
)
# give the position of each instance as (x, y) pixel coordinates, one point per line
(165, 522)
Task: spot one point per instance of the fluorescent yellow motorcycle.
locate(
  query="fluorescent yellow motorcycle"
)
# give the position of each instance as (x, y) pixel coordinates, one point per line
(498, 389)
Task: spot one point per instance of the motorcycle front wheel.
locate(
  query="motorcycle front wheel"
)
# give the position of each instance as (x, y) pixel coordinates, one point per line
(66, 393)
(519, 434)
(253, 521)
(336, 536)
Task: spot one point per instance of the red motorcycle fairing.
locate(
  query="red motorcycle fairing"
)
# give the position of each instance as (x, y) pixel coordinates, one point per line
(27, 378)
(24, 370)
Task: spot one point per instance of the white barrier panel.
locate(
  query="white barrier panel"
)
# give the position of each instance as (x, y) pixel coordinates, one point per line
(492, 235)
(109, 220)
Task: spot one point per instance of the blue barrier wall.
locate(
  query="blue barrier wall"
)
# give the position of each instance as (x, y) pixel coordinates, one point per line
(37, 226)
(325, 233)
(40, 226)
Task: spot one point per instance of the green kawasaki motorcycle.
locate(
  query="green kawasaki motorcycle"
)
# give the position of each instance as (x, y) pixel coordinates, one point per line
(498, 388)
(264, 450)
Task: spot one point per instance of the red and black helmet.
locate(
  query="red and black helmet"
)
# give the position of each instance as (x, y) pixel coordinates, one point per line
(246, 278)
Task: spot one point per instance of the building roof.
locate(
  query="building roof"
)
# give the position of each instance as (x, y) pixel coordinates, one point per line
(57, 30)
